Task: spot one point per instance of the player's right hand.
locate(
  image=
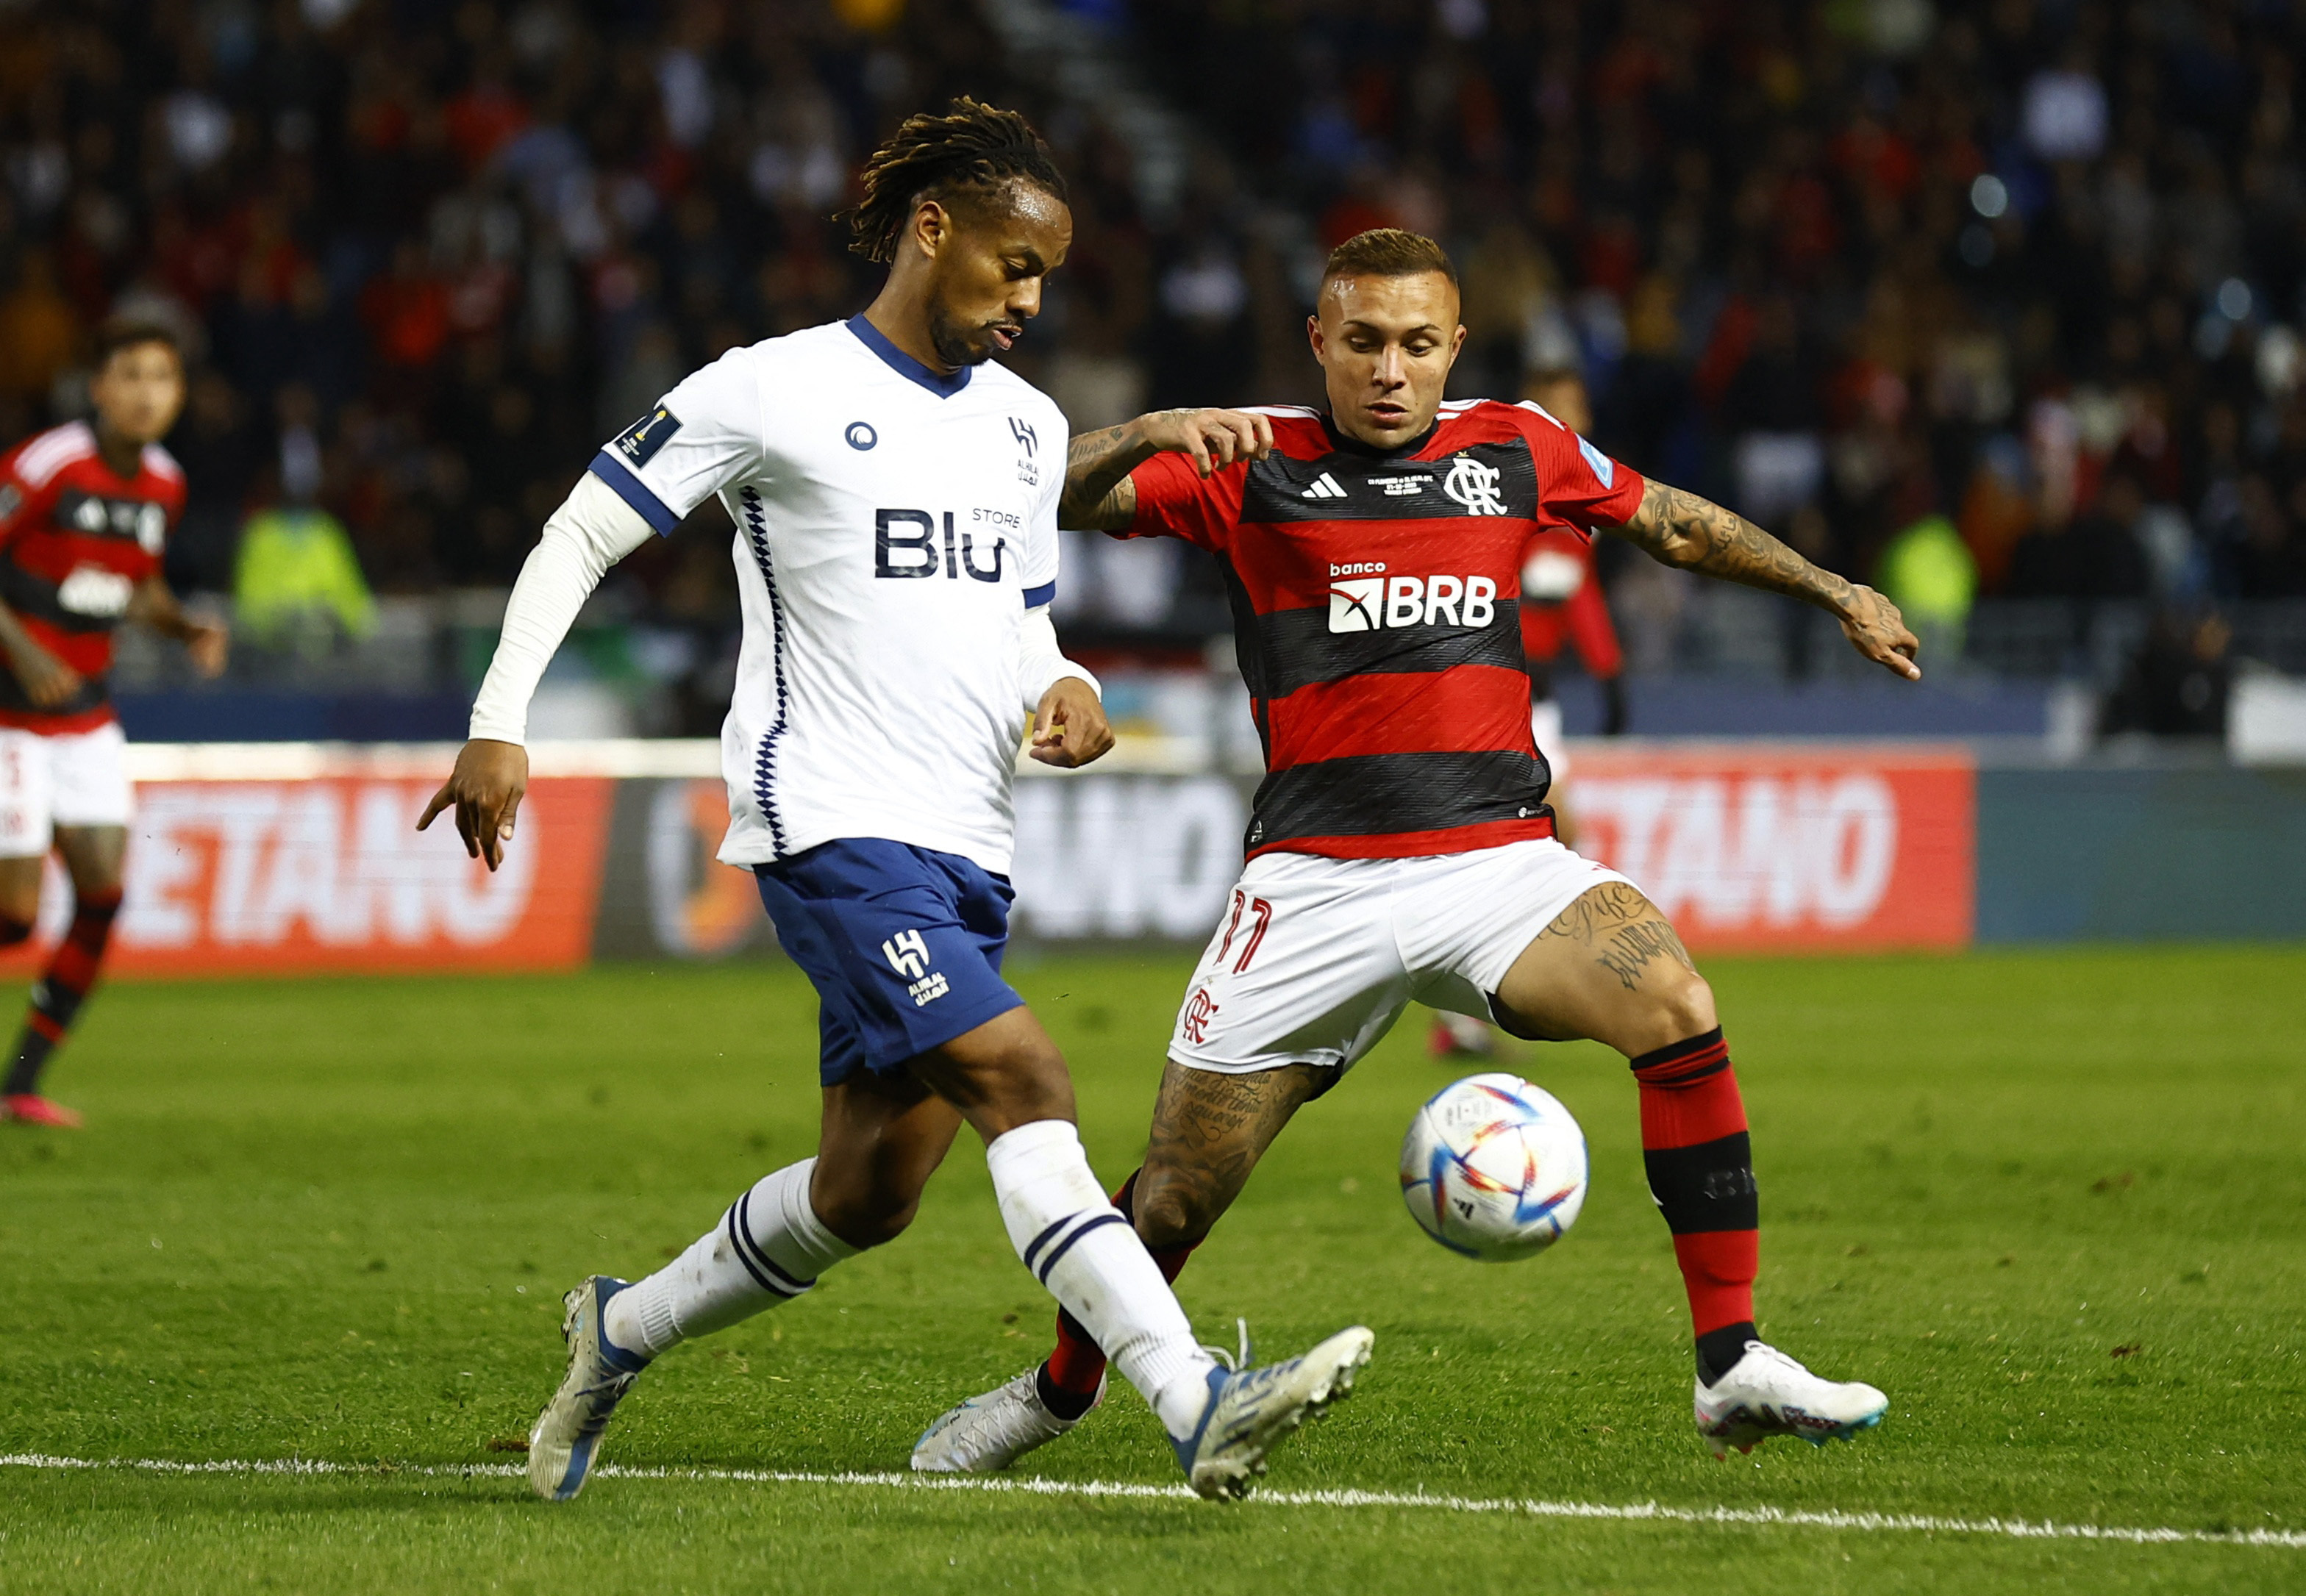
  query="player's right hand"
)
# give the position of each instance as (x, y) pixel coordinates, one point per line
(48, 681)
(1214, 438)
(485, 788)
(1876, 630)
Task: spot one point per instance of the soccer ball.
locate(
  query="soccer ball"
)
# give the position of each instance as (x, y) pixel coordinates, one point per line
(1493, 1168)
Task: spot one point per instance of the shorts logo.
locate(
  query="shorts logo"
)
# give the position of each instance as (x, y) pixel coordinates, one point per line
(1373, 603)
(1474, 485)
(639, 442)
(909, 955)
(1199, 1011)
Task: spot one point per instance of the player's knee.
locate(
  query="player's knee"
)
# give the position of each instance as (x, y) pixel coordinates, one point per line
(868, 1205)
(866, 1219)
(1170, 1213)
(1684, 1008)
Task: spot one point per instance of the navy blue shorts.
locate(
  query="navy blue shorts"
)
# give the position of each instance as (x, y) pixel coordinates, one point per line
(902, 944)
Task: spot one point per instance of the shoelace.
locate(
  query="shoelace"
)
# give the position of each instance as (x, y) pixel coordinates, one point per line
(1772, 1355)
(1235, 1364)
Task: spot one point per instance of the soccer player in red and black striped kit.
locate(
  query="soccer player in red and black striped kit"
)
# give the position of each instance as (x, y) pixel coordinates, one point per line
(85, 510)
(1401, 847)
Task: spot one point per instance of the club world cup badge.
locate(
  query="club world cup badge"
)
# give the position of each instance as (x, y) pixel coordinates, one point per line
(639, 442)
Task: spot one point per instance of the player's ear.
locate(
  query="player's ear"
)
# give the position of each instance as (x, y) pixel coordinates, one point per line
(1313, 335)
(1456, 343)
(932, 225)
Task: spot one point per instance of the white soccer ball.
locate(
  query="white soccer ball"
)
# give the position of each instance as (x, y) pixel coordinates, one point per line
(1494, 1168)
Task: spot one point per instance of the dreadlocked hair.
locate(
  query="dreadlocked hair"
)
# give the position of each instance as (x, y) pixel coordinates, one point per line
(973, 148)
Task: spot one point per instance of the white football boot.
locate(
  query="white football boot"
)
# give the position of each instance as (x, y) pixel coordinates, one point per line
(1766, 1393)
(990, 1432)
(1251, 1411)
(567, 1435)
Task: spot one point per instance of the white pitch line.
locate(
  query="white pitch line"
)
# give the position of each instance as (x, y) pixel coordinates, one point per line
(2017, 1529)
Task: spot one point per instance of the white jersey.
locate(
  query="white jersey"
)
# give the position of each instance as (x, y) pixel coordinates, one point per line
(894, 525)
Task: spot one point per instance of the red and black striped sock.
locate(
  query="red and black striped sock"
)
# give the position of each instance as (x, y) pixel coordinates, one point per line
(1069, 1379)
(58, 996)
(1700, 1161)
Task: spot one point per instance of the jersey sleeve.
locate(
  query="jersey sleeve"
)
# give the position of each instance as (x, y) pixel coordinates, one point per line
(701, 437)
(1577, 484)
(1175, 501)
(1041, 531)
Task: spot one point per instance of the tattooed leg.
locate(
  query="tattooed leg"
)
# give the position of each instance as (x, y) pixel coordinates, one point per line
(1210, 1130)
(1609, 967)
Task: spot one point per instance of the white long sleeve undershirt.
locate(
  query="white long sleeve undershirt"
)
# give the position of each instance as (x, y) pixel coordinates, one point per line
(1041, 664)
(593, 529)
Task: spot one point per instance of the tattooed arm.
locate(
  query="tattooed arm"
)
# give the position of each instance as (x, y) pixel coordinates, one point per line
(1098, 495)
(1677, 528)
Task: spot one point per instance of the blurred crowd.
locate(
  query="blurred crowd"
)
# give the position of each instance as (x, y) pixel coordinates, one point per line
(431, 253)
(2002, 295)
(2015, 282)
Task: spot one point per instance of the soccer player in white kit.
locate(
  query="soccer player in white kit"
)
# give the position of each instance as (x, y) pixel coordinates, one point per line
(895, 497)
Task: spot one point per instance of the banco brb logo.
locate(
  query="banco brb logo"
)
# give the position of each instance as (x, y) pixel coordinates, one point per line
(1373, 603)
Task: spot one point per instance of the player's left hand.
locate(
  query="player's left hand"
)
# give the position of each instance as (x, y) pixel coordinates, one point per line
(1876, 630)
(207, 645)
(1070, 728)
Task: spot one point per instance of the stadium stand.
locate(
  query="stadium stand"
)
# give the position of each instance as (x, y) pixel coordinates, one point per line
(2032, 268)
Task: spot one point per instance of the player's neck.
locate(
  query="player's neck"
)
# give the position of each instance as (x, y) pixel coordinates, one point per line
(124, 455)
(902, 316)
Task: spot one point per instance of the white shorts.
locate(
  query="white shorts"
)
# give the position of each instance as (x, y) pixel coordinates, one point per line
(1316, 958)
(77, 778)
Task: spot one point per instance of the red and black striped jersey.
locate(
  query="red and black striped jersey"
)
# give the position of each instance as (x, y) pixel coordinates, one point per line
(1374, 599)
(76, 541)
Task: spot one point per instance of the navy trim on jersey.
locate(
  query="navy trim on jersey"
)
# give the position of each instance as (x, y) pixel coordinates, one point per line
(1035, 597)
(634, 492)
(765, 763)
(939, 383)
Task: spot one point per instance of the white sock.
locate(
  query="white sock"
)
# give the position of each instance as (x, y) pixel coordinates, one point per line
(1090, 1258)
(768, 1248)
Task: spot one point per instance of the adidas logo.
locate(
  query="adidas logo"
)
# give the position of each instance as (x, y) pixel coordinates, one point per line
(1325, 486)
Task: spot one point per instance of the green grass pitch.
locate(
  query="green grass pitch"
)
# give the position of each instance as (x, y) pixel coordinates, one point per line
(2051, 1202)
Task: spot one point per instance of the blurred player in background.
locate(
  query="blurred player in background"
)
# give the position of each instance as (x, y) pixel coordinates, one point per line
(895, 495)
(85, 511)
(1400, 848)
(1561, 603)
